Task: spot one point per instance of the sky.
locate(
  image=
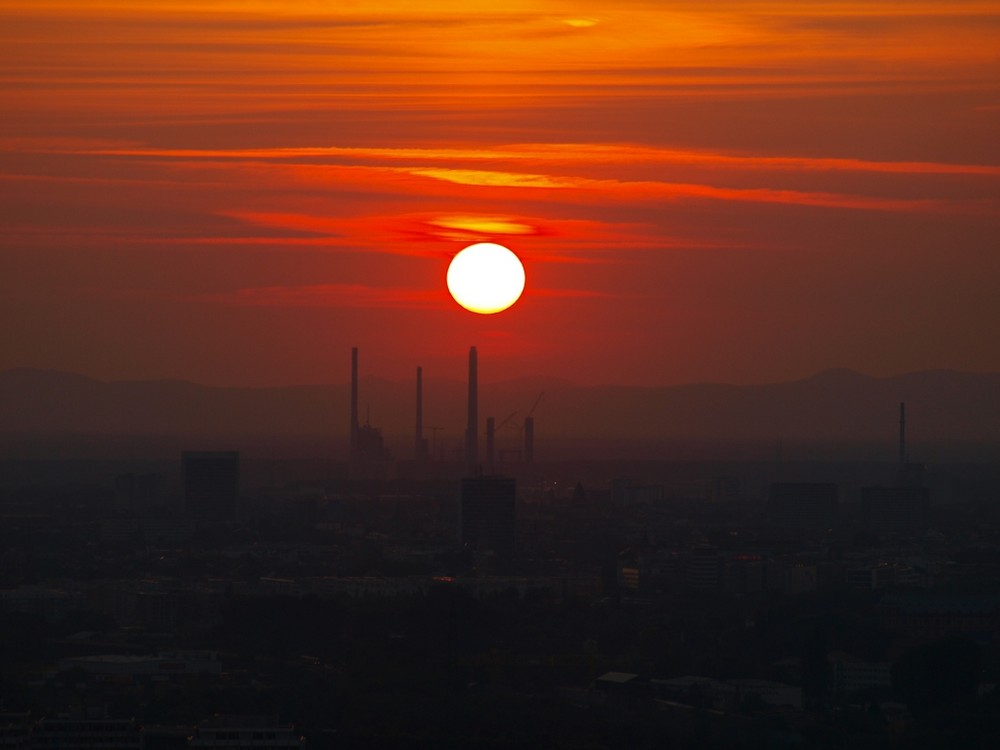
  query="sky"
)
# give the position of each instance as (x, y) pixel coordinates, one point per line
(236, 192)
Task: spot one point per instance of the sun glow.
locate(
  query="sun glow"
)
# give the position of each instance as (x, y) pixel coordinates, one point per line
(485, 278)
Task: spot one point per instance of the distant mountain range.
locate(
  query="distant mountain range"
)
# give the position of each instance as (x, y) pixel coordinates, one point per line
(836, 405)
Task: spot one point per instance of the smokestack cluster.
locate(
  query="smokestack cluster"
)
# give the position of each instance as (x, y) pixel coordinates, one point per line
(420, 447)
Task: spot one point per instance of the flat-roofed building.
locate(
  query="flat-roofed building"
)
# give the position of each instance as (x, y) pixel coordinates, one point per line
(488, 522)
(231, 732)
(895, 510)
(211, 484)
(76, 733)
(704, 568)
(852, 673)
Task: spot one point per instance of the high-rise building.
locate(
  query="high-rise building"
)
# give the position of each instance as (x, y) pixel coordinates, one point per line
(136, 494)
(472, 428)
(529, 440)
(803, 505)
(899, 510)
(369, 456)
(211, 484)
(488, 522)
(246, 731)
(704, 568)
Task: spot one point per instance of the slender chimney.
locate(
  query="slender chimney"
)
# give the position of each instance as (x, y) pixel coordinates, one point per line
(418, 445)
(902, 433)
(490, 438)
(472, 429)
(529, 440)
(354, 403)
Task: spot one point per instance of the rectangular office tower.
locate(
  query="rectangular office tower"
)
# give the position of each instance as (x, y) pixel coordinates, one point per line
(472, 429)
(488, 523)
(211, 484)
(895, 510)
(803, 505)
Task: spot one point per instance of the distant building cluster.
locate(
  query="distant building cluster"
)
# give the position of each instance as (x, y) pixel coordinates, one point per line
(91, 729)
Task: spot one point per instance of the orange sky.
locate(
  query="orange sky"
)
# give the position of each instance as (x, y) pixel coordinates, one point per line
(236, 192)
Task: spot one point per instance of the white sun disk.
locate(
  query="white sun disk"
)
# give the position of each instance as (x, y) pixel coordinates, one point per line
(485, 278)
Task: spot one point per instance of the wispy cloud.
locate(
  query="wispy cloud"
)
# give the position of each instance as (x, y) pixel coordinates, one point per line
(568, 188)
(589, 190)
(554, 153)
(332, 295)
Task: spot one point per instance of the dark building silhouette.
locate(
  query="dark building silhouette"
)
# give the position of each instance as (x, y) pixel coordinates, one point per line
(420, 442)
(369, 456)
(488, 514)
(904, 507)
(371, 444)
(896, 510)
(703, 569)
(211, 484)
(354, 405)
(89, 728)
(224, 731)
(490, 443)
(803, 505)
(929, 616)
(472, 428)
(902, 434)
(136, 494)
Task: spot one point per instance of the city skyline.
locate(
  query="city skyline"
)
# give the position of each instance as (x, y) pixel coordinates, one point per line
(237, 193)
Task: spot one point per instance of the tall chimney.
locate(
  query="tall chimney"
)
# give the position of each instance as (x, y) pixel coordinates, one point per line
(472, 429)
(529, 440)
(490, 438)
(354, 403)
(418, 445)
(902, 433)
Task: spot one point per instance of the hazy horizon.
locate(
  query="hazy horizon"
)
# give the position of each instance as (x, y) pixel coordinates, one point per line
(459, 378)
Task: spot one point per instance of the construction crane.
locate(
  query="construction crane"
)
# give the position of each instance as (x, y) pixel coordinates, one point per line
(516, 453)
(491, 431)
(534, 405)
(506, 420)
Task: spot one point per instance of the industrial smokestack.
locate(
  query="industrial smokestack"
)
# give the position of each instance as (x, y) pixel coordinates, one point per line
(354, 402)
(529, 440)
(472, 429)
(490, 436)
(902, 433)
(418, 445)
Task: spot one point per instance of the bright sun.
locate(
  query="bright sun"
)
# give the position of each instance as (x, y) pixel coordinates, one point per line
(485, 278)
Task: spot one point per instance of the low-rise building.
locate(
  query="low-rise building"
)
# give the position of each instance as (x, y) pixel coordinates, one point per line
(851, 674)
(80, 733)
(232, 732)
(166, 664)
